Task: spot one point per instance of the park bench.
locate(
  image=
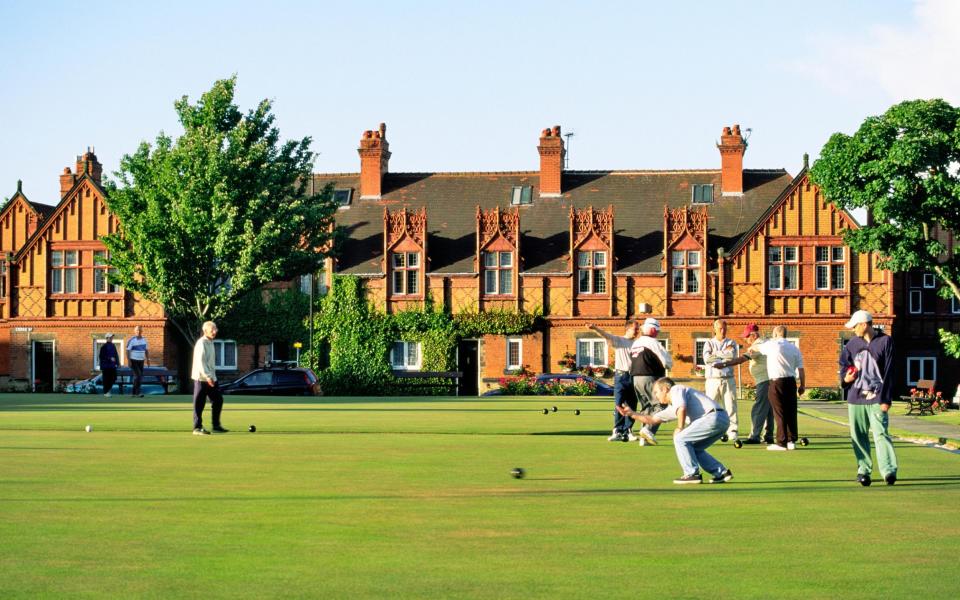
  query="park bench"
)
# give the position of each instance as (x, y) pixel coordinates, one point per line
(922, 404)
(413, 381)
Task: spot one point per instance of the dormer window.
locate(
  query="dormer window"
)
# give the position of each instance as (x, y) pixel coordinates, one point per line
(592, 272)
(686, 271)
(703, 193)
(342, 197)
(522, 194)
(406, 273)
(498, 273)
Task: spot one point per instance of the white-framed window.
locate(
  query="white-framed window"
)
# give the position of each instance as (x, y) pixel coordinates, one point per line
(702, 193)
(929, 281)
(3, 278)
(225, 353)
(916, 302)
(99, 343)
(64, 271)
(521, 194)
(686, 271)
(405, 356)
(497, 273)
(342, 197)
(830, 269)
(591, 352)
(101, 268)
(406, 273)
(954, 305)
(698, 345)
(514, 353)
(921, 367)
(783, 268)
(592, 272)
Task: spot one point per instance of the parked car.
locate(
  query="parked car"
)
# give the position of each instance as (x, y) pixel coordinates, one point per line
(156, 381)
(275, 380)
(600, 389)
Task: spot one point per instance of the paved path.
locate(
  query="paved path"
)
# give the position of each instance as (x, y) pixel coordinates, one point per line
(838, 412)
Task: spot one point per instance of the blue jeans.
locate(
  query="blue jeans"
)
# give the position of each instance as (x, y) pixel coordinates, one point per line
(692, 442)
(623, 394)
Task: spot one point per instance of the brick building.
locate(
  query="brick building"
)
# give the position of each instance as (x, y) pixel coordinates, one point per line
(686, 246)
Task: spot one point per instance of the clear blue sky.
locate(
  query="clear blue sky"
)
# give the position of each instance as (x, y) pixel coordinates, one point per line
(467, 86)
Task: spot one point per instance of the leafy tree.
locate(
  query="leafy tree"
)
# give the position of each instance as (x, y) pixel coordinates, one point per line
(266, 316)
(211, 216)
(904, 168)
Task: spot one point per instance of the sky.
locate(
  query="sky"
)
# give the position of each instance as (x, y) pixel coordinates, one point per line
(468, 86)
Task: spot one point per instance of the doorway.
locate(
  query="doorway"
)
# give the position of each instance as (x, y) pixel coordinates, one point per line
(43, 366)
(468, 365)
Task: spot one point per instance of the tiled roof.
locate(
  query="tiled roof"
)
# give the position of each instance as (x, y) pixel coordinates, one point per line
(638, 198)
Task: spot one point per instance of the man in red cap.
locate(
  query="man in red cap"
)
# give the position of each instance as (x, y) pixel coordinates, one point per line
(761, 413)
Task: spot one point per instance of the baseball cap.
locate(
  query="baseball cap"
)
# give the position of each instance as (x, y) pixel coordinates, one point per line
(750, 328)
(651, 322)
(109, 335)
(861, 316)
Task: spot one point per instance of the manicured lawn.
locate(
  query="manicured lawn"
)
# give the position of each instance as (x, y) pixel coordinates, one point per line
(413, 498)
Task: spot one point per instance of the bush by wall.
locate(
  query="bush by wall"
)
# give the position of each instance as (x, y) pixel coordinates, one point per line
(359, 338)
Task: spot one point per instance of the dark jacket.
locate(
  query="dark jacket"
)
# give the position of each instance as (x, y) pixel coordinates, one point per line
(108, 357)
(881, 349)
(646, 363)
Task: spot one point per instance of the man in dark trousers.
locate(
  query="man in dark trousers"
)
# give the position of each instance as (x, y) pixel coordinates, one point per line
(869, 356)
(204, 375)
(109, 361)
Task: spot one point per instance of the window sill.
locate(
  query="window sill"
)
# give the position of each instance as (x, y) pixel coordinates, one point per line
(86, 296)
(807, 292)
(591, 296)
(499, 296)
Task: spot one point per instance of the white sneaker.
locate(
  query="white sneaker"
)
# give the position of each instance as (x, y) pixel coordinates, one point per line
(107, 395)
(776, 448)
(616, 437)
(791, 446)
(648, 437)
(643, 442)
(631, 437)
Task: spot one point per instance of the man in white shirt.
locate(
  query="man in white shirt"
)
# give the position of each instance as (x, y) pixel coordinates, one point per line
(785, 372)
(707, 424)
(137, 357)
(761, 414)
(720, 385)
(649, 362)
(622, 380)
(204, 374)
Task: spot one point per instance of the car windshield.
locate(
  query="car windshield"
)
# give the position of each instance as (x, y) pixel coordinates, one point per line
(258, 378)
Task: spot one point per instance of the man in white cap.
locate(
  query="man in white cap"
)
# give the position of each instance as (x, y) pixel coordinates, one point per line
(869, 356)
(109, 361)
(649, 362)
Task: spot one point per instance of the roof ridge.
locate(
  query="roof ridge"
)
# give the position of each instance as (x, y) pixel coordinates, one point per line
(566, 172)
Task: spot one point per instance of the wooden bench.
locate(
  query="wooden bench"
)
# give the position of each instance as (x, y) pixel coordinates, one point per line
(452, 380)
(922, 405)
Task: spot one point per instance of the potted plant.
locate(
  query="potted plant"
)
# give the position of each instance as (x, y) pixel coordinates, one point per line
(568, 363)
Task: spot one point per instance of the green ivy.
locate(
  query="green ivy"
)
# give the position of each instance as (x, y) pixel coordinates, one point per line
(359, 338)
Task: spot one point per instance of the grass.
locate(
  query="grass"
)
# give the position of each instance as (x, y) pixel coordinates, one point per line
(412, 498)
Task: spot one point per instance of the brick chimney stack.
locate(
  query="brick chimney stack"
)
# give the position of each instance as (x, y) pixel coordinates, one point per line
(731, 146)
(374, 156)
(88, 164)
(551, 162)
(67, 179)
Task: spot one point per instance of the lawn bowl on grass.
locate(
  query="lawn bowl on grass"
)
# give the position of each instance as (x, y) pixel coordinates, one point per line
(415, 488)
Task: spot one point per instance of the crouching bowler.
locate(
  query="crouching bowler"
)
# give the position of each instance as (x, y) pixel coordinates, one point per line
(707, 424)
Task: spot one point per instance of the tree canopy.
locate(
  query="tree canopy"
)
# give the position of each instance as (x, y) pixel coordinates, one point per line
(212, 215)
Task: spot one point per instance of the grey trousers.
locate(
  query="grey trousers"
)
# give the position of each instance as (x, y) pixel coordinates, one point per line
(761, 415)
(643, 384)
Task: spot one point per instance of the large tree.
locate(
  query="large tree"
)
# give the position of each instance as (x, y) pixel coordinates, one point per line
(212, 215)
(903, 167)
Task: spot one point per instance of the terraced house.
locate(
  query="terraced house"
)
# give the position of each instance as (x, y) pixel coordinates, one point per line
(582, 247)
(686, 246)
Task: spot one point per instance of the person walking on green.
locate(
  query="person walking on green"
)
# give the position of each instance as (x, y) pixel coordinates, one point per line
(866, 367)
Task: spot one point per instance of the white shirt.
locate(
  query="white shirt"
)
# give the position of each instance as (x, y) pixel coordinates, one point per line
(718, 351)
(621, 350)
(695, 402)
(783, 358)
(645, 341)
